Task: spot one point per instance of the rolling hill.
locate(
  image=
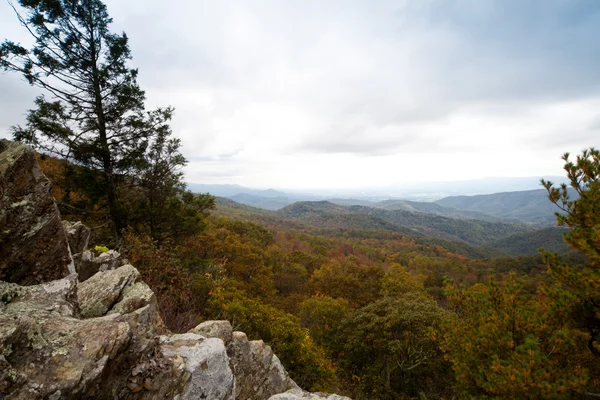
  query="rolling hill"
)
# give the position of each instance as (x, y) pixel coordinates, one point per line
(268, 203)
(528, 243)
(469, 231)
(531, 206)
(474, 238)
(436, 209)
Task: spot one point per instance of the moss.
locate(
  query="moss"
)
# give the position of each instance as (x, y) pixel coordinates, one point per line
(99, 250)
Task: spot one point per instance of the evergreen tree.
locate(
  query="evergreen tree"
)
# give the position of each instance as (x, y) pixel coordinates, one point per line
(582, 216)
(95, 116)
(161, 207)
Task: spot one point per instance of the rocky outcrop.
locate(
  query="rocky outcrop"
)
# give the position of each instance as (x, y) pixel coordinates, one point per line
(65, 339)
(299, 394)
(33, 241)
(215, 329)
(87, 264)
(78, 236)
(53, 346)
(47, 352)
(103, 337)
(258, 372)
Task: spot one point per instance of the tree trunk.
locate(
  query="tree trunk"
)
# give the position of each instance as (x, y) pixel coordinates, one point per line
(109, 175)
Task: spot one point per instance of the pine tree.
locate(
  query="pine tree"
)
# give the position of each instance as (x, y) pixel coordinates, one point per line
(582, 216)
(96, 115)
(160, 206)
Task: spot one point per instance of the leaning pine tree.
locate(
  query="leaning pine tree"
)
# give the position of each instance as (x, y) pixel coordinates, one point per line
(95, 116)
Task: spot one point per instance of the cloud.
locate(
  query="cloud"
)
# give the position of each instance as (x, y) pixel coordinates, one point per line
(16, 97)
(263, 87)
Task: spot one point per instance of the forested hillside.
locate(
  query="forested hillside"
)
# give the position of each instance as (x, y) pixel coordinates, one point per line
(437, 209)
(551, 238)
(473, 232)
(318, 269)
(315, 279)
(531, 206)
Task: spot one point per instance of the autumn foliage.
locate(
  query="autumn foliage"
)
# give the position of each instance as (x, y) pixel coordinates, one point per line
(377, 314)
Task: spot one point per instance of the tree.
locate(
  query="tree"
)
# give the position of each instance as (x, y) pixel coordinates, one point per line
(582, 216)
(324, 317)
(504, 343)
(96, 116)
(161, 207)
(391, 350)
(347, 279)
(306, 362)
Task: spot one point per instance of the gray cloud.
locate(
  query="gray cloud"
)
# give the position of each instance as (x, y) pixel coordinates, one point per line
(277, 78)
(16, 97)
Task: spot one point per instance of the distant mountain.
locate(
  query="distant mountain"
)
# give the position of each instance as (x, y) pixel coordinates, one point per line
(338, 222)
(531, 206)
(425, 190)
(527, 243)
(478, 239)
(475, 232)
(232, 190)
(434, 208)
(268, 203)
(231, 205)
(353, 202)
(309, 209)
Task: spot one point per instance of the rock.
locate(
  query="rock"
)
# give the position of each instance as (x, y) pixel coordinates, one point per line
(88, 265)
(258, 372)
(78, 236)
(122, 350)
(33, 241)
(134, 297)
(215, 329)
(46, 352)
(299, 394)
(101, 292)
(204, 366)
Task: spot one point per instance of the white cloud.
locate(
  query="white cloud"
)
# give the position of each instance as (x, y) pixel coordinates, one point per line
(322, 94)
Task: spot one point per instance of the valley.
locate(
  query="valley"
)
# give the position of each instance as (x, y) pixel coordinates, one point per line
(512, 223)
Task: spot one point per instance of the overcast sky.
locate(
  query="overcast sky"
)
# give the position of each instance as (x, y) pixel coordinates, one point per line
(341, 94)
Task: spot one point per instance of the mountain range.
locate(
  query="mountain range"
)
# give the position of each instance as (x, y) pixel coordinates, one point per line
(530, 206)
(523, 207)
(506, 223)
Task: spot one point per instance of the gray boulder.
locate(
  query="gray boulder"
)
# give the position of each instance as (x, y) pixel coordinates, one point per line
(33, 241)
(48, 353)
(204, 366)
(258, 372)
(78, 236)
(99, 294)
(215, 329)
(299, 394)
(87, 264)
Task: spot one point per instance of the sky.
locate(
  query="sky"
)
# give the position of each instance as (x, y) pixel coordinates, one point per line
(326, 94)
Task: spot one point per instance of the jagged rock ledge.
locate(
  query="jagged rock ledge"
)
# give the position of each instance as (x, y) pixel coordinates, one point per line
(76, 326)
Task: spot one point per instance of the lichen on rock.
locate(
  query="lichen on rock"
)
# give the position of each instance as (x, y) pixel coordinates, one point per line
(33, 241)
